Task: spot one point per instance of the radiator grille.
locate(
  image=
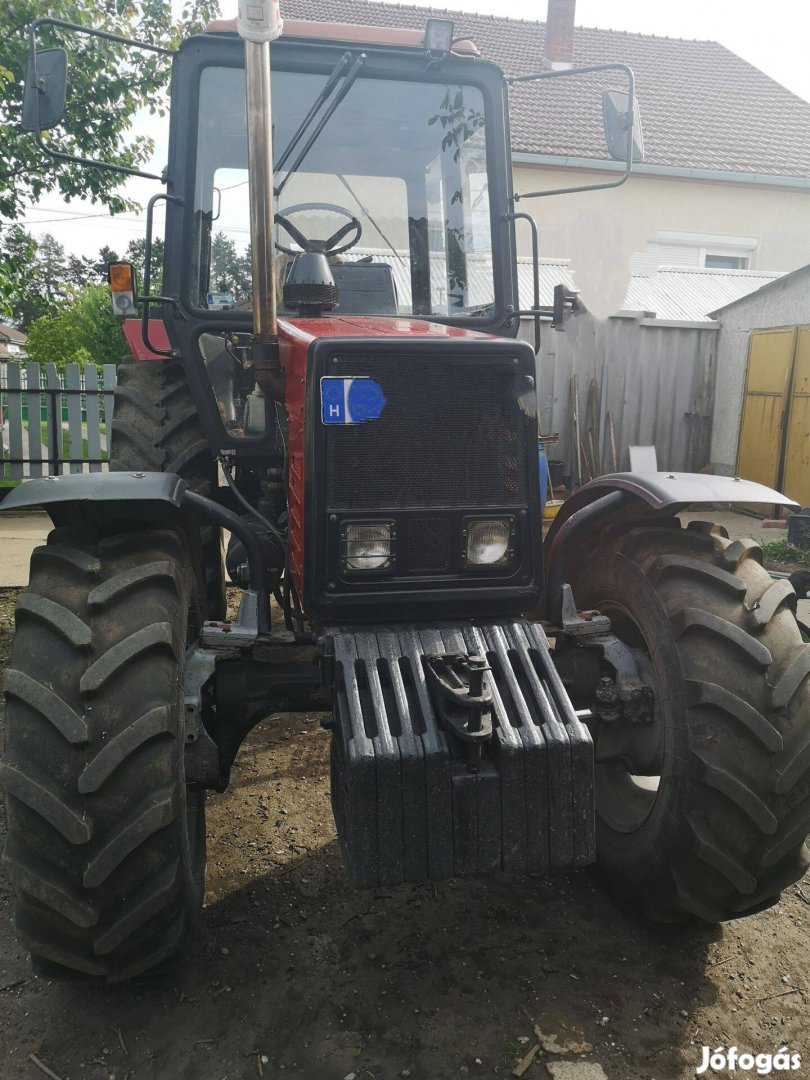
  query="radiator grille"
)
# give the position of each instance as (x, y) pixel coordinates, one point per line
(450, 435)
(429, 540)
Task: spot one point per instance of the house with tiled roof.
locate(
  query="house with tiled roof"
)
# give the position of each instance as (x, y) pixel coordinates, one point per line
(12, 343)
(725, 182)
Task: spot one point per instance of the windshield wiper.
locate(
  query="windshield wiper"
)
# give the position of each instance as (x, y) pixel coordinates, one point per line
(334, 81)
(331, 83)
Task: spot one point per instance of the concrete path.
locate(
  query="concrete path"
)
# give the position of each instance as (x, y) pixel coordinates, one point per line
(19, 535)
(737, 525)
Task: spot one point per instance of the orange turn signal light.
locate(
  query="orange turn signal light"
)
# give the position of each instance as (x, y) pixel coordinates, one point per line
(123, 288)
(121, 277)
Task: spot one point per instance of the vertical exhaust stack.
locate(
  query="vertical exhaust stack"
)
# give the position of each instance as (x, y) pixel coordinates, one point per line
(259, 22)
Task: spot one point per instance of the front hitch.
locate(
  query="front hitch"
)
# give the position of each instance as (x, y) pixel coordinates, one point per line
(461, 695)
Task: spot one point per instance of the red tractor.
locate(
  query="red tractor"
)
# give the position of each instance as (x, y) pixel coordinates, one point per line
(363, 428)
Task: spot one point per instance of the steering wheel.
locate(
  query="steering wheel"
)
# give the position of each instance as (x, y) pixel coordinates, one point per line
(326, 246)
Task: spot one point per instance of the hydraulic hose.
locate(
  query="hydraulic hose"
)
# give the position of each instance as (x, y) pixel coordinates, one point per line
(257, 570)
(579, 521)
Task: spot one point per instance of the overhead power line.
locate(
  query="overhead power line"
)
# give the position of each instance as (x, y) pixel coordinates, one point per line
(68, 216)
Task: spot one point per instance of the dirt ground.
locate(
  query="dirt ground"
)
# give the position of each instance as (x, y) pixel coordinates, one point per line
(296, 975)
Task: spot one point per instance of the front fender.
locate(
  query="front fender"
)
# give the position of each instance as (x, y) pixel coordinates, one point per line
(89, 498)
(126, 500)
(669, 492)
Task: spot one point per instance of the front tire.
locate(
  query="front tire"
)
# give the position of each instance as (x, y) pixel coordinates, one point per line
(105, 844)
(723, 833)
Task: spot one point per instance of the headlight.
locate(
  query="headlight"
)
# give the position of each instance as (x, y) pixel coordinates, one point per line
(487, 542)
(368, 547)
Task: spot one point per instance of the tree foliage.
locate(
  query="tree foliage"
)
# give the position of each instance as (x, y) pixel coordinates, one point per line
(37, 278)
(17, 256)
(230, 271)
(84, 330)
(106, 255)
(136, 254)
(108, 84)
(37, 274)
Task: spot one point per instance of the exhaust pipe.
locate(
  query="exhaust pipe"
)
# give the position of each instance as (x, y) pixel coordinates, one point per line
(259, 22)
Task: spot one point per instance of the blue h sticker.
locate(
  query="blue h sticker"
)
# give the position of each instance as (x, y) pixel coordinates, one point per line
(333, 401)
(350, 400)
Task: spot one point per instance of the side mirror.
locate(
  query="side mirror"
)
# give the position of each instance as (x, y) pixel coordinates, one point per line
(617, 123)
(45, 87)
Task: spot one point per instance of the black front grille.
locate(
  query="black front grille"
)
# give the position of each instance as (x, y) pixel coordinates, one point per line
(429, 542)
(451, 435)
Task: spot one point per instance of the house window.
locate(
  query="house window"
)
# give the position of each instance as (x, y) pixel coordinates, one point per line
(716, 261)
(696, 250)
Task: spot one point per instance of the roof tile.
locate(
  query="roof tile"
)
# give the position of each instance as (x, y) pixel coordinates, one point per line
(702, 106)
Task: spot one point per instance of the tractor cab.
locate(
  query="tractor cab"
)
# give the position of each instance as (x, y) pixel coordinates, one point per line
(398, 152)
(390, 187)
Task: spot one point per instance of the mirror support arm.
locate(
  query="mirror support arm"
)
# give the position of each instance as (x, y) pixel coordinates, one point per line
(631, 99)
(146, 299)
(535, 311)
(59, 155)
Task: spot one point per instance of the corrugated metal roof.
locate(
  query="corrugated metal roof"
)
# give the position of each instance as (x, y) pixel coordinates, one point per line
(689, 293)
(678, 293)
(552, 272)
(803, 271)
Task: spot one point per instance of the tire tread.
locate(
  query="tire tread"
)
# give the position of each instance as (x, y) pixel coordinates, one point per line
(737, 830)
(96, 846)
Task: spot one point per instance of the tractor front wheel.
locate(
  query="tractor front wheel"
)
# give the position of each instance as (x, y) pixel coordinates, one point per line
(106, 843)
(716, 827)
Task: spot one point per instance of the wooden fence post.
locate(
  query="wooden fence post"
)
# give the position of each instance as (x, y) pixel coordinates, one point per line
(34, 399)
(93, 413)
(54, 424)
(110, 380)
(14, 421)
(73, 384)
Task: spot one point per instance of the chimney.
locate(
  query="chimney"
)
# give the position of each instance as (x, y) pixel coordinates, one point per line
(560, 33)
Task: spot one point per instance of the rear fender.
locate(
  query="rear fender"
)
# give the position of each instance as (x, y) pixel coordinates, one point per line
(156, 333)
(630, 496)
(667, 494)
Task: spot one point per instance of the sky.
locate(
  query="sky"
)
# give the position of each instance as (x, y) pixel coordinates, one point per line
(773, 36)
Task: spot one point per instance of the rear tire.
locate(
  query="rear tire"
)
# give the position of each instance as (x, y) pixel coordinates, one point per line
(725, 831)
(156, 428)
(105, 844)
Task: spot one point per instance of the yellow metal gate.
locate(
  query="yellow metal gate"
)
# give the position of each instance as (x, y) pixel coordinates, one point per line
(797, 446)
(774, 447)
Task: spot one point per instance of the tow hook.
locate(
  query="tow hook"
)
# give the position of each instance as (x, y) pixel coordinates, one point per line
(462, 697)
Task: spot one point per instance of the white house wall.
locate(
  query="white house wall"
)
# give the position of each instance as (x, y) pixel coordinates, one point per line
(601, 230)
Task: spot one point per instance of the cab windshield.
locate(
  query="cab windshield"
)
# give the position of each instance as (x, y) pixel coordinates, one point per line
(406, 159)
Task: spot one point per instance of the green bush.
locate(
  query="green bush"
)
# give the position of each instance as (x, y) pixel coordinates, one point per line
(780, 551)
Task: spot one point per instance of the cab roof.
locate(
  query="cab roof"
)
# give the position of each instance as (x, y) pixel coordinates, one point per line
(351, 33)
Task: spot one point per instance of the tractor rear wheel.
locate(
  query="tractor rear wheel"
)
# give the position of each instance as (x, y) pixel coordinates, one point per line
(155, 428)
(105, 844)
(717, 827)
